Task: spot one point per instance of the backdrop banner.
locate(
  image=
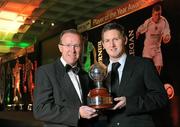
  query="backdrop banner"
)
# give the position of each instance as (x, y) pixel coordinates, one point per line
(134, 20)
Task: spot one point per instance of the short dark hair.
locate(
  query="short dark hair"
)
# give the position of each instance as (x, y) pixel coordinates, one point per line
(156, 7)
(73, 31)
(116, 26)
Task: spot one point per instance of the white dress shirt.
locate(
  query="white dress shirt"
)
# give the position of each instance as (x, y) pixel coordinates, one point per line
(122, 61)
(75, 80)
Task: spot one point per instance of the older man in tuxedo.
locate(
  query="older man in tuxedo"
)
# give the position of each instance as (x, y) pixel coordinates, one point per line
(61, 87)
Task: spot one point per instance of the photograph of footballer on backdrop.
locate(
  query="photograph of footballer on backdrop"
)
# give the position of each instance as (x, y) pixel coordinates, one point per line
(157, 31)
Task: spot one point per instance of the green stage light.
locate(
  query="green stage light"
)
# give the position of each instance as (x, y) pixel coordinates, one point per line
(9, 43)
(16, 44)
(23, 44)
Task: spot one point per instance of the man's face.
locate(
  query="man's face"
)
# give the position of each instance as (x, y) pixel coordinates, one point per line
(70, 47)
(156, 16)
(113, 43)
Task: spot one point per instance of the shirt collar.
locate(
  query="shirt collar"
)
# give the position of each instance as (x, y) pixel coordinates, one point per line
(121, 60)
(64, 62)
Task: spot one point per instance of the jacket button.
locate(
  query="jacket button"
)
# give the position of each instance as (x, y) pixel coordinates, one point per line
(118, 124)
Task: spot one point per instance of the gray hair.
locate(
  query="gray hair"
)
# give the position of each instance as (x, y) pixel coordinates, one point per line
(73, 31)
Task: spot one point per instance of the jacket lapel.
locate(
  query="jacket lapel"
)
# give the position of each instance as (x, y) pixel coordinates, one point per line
(85, 82)
(65, 82)
(127, 73)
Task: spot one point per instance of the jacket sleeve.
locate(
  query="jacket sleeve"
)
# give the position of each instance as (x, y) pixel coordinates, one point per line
(154, 96)
(45, 106)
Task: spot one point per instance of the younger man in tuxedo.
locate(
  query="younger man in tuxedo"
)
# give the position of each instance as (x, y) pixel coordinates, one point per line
(136, 88)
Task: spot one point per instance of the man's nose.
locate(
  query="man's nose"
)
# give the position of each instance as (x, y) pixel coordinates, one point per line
(112, 42)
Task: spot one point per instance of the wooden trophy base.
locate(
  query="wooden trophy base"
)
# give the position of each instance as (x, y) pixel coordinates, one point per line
(99, 98)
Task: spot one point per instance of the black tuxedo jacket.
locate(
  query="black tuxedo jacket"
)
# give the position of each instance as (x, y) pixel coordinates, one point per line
(56, 102)
(144, 93)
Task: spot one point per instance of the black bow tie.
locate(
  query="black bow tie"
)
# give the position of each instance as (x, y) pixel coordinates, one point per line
(74, 69)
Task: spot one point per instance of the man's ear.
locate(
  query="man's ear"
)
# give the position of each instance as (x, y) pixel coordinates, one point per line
(102, 43)
(60, 47)
(125, 40)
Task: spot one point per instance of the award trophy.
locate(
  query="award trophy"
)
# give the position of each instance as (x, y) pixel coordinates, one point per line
(99, 97)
